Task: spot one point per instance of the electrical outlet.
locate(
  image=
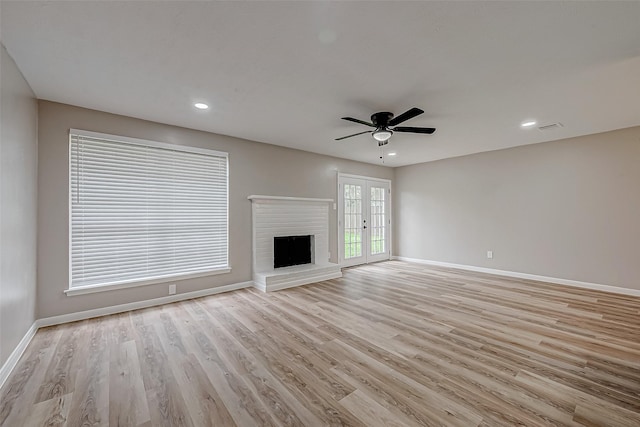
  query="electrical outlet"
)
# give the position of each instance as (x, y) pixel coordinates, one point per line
(172, 289)
(334, 206)
(490, 254)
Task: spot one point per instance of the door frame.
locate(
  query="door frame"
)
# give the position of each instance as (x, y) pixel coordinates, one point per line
(340, 213)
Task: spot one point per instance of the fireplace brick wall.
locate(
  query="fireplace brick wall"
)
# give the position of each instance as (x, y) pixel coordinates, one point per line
(288, 217)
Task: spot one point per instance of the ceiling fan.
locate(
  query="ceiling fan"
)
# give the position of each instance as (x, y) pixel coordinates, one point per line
(385, 125)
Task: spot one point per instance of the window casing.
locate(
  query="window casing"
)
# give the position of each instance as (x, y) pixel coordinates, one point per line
(143, 212)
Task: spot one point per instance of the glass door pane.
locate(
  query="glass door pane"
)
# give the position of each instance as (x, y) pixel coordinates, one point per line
(378, 220)
(352, 221)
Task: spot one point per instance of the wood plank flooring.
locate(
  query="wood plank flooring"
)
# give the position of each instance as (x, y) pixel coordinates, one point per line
(389, 344)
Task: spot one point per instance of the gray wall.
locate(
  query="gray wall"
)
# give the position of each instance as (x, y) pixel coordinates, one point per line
(18, 169)
(568, 209)
(254, 168)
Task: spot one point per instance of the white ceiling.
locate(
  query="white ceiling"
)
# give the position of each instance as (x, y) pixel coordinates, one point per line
(285, 72)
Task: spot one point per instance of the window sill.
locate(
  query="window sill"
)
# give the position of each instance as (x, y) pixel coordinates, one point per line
(82, 290)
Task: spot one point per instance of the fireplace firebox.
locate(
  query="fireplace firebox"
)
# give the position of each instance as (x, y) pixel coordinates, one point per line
(292, 250)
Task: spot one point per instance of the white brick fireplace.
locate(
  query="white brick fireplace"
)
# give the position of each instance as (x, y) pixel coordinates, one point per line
(275, 216)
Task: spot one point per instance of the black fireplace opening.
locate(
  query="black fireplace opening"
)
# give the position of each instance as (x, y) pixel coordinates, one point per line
(291, 250)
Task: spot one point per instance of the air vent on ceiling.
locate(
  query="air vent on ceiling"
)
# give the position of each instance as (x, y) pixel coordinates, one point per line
(550, 126)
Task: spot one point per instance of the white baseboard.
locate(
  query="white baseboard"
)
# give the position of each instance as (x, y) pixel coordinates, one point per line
(88, 314)
(12, 361)
(575, 283)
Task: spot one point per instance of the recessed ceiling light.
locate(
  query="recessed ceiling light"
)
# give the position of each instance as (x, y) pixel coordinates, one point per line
(528, 123)
(201, 106)
(393, 153)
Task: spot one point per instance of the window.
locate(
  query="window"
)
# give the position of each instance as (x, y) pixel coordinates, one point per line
(143, 211)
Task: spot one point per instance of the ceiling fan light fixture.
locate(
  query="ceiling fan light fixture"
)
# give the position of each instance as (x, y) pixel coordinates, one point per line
(382, 135)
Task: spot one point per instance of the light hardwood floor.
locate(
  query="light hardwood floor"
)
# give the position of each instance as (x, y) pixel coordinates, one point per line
(389, 344)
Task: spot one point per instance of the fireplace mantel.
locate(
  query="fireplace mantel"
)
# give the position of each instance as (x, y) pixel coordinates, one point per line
(278, 216)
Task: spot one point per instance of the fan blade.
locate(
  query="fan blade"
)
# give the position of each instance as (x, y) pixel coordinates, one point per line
(355, 134)
(414, 130)
(405, 116)
(351, 119)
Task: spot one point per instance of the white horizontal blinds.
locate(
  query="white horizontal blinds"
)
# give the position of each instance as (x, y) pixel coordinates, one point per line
(142, 211)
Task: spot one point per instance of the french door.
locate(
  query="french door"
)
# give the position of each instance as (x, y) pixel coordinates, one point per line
(363, 220)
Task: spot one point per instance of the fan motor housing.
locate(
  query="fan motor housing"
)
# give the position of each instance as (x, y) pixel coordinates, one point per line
(381, 119)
